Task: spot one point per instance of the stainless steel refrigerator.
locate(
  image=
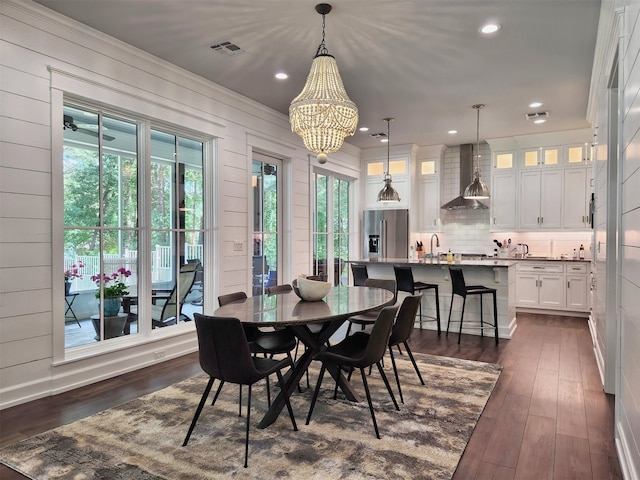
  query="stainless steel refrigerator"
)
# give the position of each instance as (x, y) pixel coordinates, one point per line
(386, 234)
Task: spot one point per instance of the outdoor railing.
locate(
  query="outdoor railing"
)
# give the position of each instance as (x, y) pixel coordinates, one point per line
(162, 266)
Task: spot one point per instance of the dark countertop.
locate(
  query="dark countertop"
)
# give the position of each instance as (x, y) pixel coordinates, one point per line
(481, 262)
(487, 262)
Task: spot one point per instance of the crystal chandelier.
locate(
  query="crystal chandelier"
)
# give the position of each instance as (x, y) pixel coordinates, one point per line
(477, 189)
(322, 114)
(388, 193)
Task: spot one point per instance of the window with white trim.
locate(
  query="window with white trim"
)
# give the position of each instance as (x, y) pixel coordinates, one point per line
(108, 159)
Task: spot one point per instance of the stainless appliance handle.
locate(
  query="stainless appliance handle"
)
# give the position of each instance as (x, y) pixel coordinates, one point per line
(383, 236)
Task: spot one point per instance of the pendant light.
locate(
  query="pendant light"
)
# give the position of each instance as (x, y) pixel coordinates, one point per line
(323, 114)
(388, 193)
(477, 189)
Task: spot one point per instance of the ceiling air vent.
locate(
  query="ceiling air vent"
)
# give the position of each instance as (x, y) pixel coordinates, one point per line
(537, 116)
(227, 48)
(378, 135)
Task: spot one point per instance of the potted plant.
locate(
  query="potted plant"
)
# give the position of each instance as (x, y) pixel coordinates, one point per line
(113, 290)
(71, 274)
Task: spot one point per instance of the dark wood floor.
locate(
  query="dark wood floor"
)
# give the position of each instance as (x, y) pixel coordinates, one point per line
(546, 418)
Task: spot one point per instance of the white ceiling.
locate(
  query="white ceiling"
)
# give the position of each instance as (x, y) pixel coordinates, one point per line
(423, 62)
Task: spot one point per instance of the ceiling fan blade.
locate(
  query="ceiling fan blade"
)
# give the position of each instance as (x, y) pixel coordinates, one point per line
(105, 137)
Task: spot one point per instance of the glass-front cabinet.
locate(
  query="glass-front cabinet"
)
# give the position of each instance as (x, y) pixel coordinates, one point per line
(541, 157)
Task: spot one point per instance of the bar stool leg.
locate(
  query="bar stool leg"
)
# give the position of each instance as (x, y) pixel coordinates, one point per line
(464, 301)
(450, 310)
(438, 310)
(495, 315)
(419, 309)
(481, 318)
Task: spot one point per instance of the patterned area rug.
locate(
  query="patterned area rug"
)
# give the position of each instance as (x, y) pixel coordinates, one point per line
(142, 439)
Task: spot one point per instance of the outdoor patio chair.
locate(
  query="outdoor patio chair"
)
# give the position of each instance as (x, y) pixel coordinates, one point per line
(170, 311)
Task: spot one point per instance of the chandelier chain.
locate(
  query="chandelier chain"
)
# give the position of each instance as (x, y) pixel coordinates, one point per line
(322, 49)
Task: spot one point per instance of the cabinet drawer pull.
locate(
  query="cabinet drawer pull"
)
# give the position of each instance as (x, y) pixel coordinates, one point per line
(568, 284)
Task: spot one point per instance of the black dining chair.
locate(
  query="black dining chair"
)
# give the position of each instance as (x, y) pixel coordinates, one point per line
(267, 343)
(360, 350)
(459, 287)
(406, 283)
(225, 355)
(369, 318)
(276, 289)
(401, 332)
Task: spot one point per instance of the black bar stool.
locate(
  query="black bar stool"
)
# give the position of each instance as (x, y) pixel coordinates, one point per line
(405, 283)
(360, 274)
(460, 288)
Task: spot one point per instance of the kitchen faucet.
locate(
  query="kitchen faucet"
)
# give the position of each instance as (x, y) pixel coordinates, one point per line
(437, 244)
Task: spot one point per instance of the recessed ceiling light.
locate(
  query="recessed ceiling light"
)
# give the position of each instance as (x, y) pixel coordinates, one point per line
(539, 120)
(535, 104)
(364, 129)
(491, 28)
(384, 140)
(281, 76)
(451, 132)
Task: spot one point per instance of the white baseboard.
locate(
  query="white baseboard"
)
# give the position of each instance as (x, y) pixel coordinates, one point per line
(596, 349)
(627, 467)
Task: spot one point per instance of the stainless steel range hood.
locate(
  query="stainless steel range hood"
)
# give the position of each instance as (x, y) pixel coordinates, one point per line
(466, 177)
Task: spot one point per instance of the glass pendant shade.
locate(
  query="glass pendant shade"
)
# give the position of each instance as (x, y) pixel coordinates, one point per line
(323, 114)
(388, 193)
(477, 190)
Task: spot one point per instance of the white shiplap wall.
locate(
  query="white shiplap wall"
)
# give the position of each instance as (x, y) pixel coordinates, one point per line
(628, 395)
(44, 54)
(616, 326)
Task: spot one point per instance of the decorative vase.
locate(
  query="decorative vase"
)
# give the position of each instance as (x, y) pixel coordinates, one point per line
(67, 288)
(111, 306)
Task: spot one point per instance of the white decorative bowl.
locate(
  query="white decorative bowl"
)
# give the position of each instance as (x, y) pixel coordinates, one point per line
(310, 290)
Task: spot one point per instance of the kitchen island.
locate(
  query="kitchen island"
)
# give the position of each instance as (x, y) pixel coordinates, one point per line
(493, 273)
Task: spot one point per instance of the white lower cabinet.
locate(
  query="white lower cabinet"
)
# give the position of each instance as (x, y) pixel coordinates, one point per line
(540, 290)
(549, 286)
(578, 287)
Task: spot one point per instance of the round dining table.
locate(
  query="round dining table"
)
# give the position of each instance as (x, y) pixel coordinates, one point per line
(288, 310)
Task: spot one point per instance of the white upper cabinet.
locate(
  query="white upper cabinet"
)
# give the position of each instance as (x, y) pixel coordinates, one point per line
(503, 200)
(575, 204)
(543, 178)
(540, 200)
(429, 195)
